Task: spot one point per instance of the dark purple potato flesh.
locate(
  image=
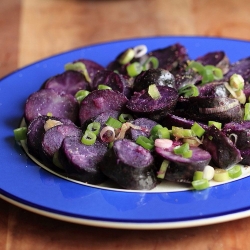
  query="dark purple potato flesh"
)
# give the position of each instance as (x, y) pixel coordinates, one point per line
(213, 89)
(47, 101)
(69, 82)
(81, 161)
(182, 169)
(223, 151)
(130, 166)
(36, 131)
(142, 104)
(99, 101)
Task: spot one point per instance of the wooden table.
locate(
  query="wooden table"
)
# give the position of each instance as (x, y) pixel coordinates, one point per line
(33, 29)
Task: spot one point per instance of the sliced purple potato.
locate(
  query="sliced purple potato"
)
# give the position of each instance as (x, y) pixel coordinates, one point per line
(52, 140)
(47, 101)
(182, 169)
(218, 59)
(130, 166)
(36, 131)
(68, 82)
(213, 89)
(159, 77)
(239, 133)
(223, 151)
(81, 161)
(142, 104)
(146, 126)
(115, 81)
(245, 154)
(99, 101)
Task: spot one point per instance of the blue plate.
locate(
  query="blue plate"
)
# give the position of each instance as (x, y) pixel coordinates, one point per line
(25, 184)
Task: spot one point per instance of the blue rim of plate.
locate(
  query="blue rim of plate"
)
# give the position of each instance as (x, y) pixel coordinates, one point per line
(25, 184)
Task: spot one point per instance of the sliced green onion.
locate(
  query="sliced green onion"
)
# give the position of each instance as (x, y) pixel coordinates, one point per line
(187, 154)
(236, 81)
(182, 133)
(155, 129)
(88, 138)
(179, 150)
(145, 142)
(94, 127)
(196, 66)
(80, 67)
(200, 184)
(217, 72)
(198, 175)
(126, 56)
(151, 62)
(235, 171)
(247, 112)
(188, 90)
(154, 92)
(125, 118)
(216, 124)
(221, 175)
(103, 87)
(163, 133)
(20, 133)
(81, 94)
(197, 129)
(207, 76)
(163, 169)
(112, 122)
(134, 69)
(208, 173)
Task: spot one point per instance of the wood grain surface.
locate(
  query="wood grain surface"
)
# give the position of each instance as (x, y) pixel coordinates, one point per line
(34, 29)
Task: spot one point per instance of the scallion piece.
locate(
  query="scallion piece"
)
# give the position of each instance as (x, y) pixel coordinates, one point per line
(103, 87)
(200, 184)
(80, 67)
(235, 171)
(216, 124)
(151, 62)
(189, 90)
(197, 129)
(125, 118)
(182, 133)
(247, 112)
(134, 69)
(20, 133)
(88, 138)
(114, 123)
(126, 56)
(81, 94)
(154, 92)
(94, 127)
(187, 154)
(163, 169)
(145, 142)
(236, 81)
(155, 129)
(179, 150)
(198, 175)
(221, 175)
(163, 133)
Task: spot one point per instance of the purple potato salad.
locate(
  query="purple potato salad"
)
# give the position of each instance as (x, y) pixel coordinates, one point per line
(143, 119)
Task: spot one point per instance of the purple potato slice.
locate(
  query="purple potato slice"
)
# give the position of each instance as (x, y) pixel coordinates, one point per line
(182, 169)
(129, 165)
(68, 82)
(114, 80)
(217, 58)
(245, 154)
(239, 133)
(47, 101)
(52, 140)
(81, 161)
(213, 89)
(99, 101)
(36, 131)
(142, 104)
(223, 151)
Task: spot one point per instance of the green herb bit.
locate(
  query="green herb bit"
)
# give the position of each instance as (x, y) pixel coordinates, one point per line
(216, 124)
(163, 133)
(94, 127)
(80, 67)
(81, 94)
(197, 129)
(247, 112)
(114, 123)
(182, 133)
(179, 150)
(89, 138)
(151, 62)
(145, 142)
(163, 169)
(236, 81)
(198, 175)
(155, 129)
(154, 92)
(235, 171)
(126, 56)
(125, 118)
(20, 133)
(103, 87)
(200, 184)
(134, 69)
(221, 175)
(188, 90)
